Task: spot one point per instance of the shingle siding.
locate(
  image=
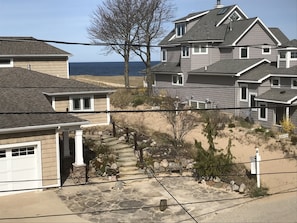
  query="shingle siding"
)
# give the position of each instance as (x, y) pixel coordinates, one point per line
(173, 54)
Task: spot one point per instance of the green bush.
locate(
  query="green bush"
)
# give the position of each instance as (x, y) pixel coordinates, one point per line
(258, 192)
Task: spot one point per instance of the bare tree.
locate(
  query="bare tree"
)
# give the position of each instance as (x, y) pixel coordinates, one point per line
(115, 23)
(151, 18)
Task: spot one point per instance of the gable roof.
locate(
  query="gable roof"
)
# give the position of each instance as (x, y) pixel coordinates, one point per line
(230, 67)
(27, 46)
(167, 68)
(279, 34)
(24, 104)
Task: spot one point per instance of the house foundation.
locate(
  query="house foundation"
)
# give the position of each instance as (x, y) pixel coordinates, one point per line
(79, 174)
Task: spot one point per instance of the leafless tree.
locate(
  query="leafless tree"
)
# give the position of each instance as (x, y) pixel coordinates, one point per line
(115, 23)
(151, 18)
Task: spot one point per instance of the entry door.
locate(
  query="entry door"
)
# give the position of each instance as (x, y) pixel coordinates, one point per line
(280, 113)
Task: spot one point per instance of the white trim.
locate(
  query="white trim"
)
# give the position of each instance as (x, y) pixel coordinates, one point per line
(54, 103)
(7, 65)
(108, 109)
(81, 98)
(274, 101)
(266, 112)
(227, 16)
(178, 27)
(58, 159)
(67, 63)
(178, 84)
(79, 93)
(164, 53)
(266, 47)
(240, 92)
(271, 82)
(252, 66)
(200, 46)
(247, 53)
(198, 102)
(42, 127)
(265, 27)
(182, 52)
(250, 102)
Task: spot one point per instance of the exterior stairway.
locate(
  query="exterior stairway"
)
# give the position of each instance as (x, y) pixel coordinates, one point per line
(126, 159)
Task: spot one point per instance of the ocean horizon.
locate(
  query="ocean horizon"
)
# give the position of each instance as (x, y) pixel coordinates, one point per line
(106, 68)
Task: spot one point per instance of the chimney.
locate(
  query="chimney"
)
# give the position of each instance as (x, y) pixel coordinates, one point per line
(218, 6)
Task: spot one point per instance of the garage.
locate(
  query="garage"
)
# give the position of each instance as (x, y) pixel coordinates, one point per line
(20, 167)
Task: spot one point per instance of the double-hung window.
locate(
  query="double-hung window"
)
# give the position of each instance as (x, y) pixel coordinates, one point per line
(294, 83)
(200, 49)
(243, 52)
(197, 104)
(266, 50)
(164, 55)
(185, 52)
(275, 82)
(83, 103)
(177, 79)
(262, 112)
(180, 29)
(243, 93)
(294, 55)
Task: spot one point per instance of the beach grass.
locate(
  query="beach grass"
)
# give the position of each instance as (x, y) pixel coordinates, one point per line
(114, 81)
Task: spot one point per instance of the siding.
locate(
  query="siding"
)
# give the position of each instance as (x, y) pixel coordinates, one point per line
(48, 151)
(257, 36)
(173, 54)
(226, 53)
(61, 103)
(201, 60)
(53, 66)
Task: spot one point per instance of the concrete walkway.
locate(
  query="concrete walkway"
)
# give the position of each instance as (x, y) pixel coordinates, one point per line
(41, 207)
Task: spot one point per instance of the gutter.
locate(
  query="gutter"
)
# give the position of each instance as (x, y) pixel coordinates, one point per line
(79, 93)
(42, 127)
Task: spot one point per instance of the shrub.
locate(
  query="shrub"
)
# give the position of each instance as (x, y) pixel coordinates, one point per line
(258, 192)
(287, 125)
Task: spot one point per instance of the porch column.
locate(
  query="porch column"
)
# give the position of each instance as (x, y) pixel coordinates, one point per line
(287, 113)
(79, 159)
(66, 144)
(79, 173)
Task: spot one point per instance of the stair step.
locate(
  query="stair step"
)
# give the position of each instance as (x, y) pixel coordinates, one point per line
(125, 169)
(127, 159)
(127, 164)
(120, 146)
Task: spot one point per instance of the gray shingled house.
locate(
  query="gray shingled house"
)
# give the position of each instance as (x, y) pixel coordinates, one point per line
(29, 53)
(207, 57)
(35, 123)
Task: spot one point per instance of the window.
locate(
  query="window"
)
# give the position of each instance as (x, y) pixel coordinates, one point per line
(22, 151)
(275, 82)
(243, 93)
(185, 52)
(164, 55)
(2, 154)
(180, 29)
(262, 112)
(294, 55)
(197, 104)
(6, 62)
(82, 103)
(235, 16)
(266, 50)
(282, 55)
(294, 83)
(200, 49)
(244, 52)
(178, 79)
(252, 102)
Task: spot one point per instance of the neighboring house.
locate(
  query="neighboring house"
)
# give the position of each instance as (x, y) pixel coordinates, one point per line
(35, 124)
(28, 53)
(207, 57)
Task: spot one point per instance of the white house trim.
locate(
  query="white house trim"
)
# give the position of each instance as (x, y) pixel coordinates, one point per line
(231, 11)
(58, 159)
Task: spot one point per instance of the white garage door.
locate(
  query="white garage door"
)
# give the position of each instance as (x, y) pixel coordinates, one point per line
(19, 169)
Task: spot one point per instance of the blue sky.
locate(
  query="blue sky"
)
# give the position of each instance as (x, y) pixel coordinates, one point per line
(67, 20)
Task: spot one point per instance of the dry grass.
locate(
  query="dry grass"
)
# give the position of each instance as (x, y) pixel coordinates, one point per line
(113, 81)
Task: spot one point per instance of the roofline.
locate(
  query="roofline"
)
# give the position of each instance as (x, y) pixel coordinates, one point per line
(225, 17)
(273, 101)
(252, 66)
(41, 127)
(191, 18)
(268, 76)
(268, 30)
(36, 55)
(78, 93)
(206, 41)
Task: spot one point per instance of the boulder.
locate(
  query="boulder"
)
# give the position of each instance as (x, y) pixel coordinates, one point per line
(122, 139)
(235, 187)
(164, 163)
(216, 180)
(114, 166)
(156, 165)
(190, 166)
(174, 167)
(242, 188)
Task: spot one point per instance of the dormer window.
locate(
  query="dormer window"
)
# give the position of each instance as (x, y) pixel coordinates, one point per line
(180, 29)
(235, 16)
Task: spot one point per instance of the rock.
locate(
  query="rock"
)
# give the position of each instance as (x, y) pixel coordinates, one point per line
(203, 182)
(242, 188)
(122, 139)
(153, 143)
(156, 165)
(174, 167)
(235, 187)
(119, 185)
(184, 162)
(216, 180)
(164, 163)
(190, 166)
(114, 166)
(229, 188)
(232, 182)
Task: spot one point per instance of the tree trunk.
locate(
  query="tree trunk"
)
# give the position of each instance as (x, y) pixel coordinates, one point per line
(149, 75)
(126, 71)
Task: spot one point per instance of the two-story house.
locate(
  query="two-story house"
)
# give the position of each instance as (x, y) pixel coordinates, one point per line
(28, 53)
(206, 57)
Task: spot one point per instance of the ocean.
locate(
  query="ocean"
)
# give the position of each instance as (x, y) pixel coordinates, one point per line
(106, 68)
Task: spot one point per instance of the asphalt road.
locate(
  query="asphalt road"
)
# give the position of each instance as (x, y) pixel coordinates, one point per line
(280, 208)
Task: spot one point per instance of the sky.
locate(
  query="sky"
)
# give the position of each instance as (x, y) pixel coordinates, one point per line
(68, 20)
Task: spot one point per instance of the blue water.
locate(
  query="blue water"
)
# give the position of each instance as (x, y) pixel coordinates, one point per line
(106, 68)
